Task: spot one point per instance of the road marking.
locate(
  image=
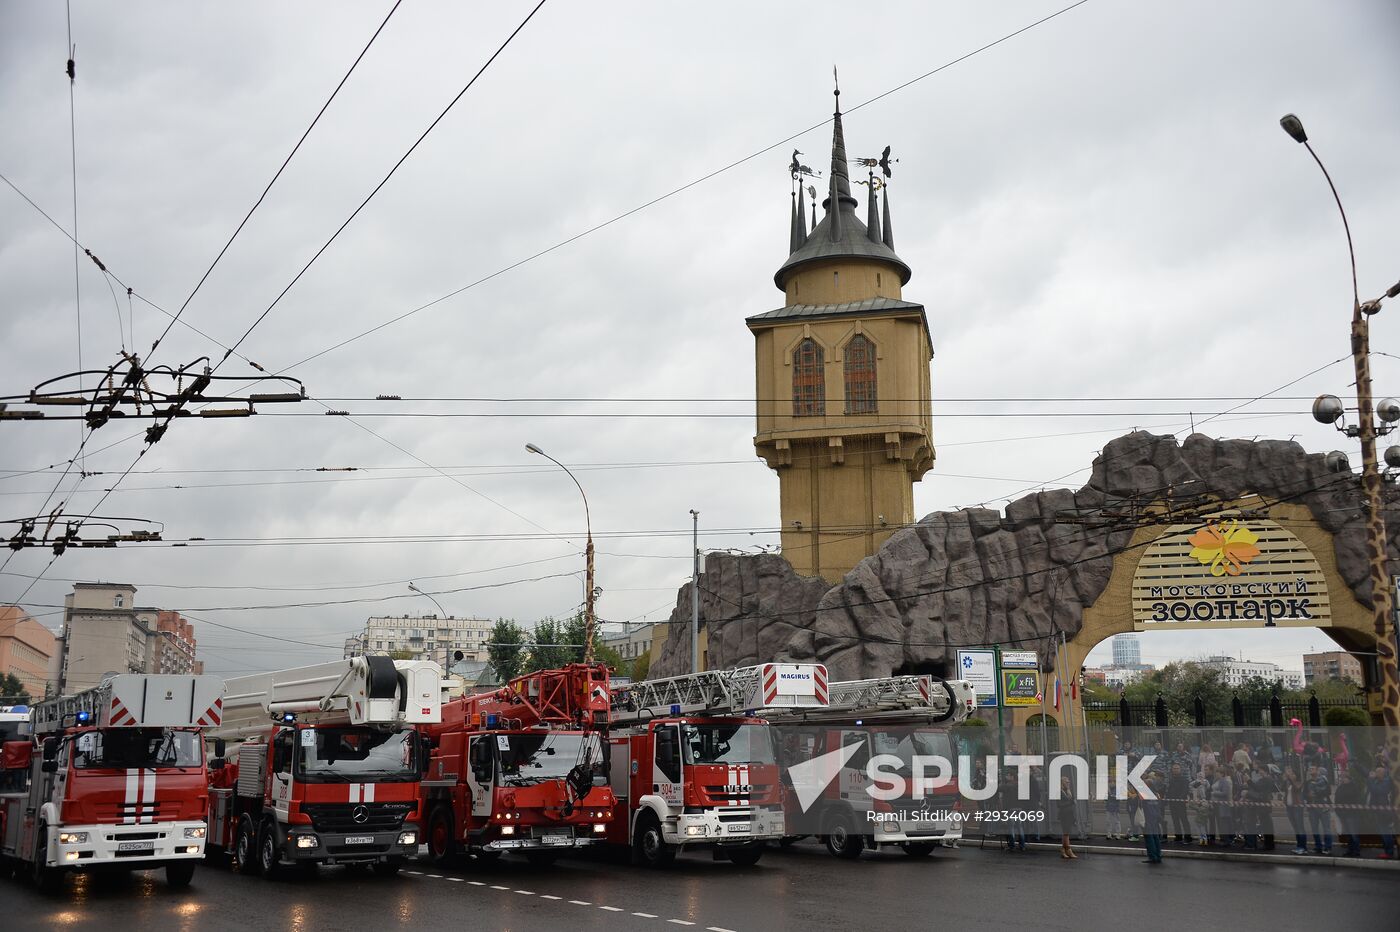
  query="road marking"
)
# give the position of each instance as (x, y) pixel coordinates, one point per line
(498, 887)
(580, 902)
(645, 915)
(546, 896)
(681, 922)
(526, 892)
(414, 873)
(434, 876)
(718, 929)
(476, 883)
(455, 879)
(612, 909)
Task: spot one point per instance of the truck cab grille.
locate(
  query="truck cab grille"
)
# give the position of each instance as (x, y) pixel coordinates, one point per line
(341, 817)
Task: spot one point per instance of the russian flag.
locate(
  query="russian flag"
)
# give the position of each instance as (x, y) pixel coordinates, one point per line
(1058, 688)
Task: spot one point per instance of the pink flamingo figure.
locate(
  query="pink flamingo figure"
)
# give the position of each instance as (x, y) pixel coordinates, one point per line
(1297, 735)
(1344, 755)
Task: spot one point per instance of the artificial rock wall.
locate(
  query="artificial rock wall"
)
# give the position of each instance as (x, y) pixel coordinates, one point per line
(978, 576)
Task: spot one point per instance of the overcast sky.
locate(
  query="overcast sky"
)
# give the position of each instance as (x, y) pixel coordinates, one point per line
(1103, 207)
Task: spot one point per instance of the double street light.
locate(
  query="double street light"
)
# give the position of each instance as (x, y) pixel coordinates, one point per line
(1328, 409)
(589, 620)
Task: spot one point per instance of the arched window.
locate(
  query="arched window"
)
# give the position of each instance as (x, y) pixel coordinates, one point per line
(808, 380)
(860, 376)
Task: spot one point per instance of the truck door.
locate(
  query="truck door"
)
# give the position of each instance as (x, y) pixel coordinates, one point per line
(280, 779)
(853, 780)
(481, 773)
(667, 775)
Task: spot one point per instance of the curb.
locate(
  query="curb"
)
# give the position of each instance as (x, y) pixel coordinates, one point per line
(1312, 860)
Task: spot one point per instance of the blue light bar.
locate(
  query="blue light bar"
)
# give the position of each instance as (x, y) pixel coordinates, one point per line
(289, 717)
(675, 710)
(84, 717)
(491, 719)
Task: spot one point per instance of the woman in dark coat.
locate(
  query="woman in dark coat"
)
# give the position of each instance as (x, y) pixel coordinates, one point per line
(1069, 818)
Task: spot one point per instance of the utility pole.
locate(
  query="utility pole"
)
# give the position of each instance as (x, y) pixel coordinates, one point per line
(695, 592)
(589, 619)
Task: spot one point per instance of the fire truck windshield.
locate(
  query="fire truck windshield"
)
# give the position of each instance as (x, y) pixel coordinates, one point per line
(546, 755)
(904, 744)
(356, 755)
(130, 748)
(727, 744)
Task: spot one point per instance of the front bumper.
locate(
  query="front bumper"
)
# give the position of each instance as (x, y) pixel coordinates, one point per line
(901, 832)
(349, 847)
(726, 826)
(140, 844)
(541, 838)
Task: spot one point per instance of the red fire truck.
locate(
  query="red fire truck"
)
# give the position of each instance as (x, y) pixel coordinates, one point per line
(901, 716)
(328, 772)
(118, 779)
(695, 764)
(521, 769)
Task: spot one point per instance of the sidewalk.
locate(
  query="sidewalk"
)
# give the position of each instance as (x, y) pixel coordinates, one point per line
(1282, 853)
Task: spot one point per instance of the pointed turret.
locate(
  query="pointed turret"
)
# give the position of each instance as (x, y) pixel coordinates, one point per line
(889, 226)
(801, 216)
(798, 235)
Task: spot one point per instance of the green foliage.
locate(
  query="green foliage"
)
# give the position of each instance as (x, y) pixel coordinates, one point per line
(12, 691)
(1180, 682)
(641, 667)
(505, 652)
(402, 655)
(1345, 717)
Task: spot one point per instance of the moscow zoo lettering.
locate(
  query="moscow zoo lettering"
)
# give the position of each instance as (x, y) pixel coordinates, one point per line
(1225, 602)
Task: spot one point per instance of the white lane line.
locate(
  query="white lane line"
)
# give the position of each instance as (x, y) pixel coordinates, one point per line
(414, 873)
(546, 896)
(646, 915)
(580, 902)
(717, 929)
(681, 922)
(526, 892)
(434, 876)
(476, 883)
(612, 909)
(498, 887)
(455, 879)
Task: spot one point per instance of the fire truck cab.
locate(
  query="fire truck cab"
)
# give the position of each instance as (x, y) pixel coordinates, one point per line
(114, 776)
(696, 765)
(898, 716)
(329, 766)
(521, 769)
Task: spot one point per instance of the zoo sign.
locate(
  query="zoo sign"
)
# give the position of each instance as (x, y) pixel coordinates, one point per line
(1229, 573)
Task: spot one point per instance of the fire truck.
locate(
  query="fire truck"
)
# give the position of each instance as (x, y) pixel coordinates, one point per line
(118, 780)
(901, 716)
(521, 769)
(328, 767)
(694, 760)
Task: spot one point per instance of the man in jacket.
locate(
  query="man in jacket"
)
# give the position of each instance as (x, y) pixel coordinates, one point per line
(1317, 795)
(1178, 789)
(1350, 797)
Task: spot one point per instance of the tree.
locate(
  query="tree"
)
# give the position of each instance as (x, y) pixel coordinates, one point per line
(402, 655)
(505, 652)
(547, 652)
(12, 691)
(641, 667)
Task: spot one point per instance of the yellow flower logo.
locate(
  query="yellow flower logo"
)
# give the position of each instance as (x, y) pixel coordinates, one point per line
(1225, 549)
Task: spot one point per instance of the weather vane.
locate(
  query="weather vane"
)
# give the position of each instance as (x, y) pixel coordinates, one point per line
(797, 169)
(883, 163)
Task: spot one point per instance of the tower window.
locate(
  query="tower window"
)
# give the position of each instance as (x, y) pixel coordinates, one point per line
(808, 380)
(860, 376)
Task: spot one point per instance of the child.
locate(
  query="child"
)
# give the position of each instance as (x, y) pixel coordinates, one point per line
(1115, 821)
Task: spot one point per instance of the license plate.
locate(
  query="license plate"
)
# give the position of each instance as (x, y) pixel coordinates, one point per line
(742, 828)
(147, 846)
(359, 839)
(556, 839)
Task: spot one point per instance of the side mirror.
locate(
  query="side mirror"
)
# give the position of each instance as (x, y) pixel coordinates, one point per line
(51, 746)
(600, 779)
(49, 766)
(425, 752)
(220, 748)
(217, 763)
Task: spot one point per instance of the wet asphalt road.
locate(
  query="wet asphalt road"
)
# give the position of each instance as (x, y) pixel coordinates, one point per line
(799, 888)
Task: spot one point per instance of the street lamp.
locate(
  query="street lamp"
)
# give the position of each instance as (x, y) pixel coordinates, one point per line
(412, 587)
(588, 617)
(1327, 410)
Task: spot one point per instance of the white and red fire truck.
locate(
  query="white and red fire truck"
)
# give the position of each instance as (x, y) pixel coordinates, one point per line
(521, 769)
(119, 779)
(329, 767)
(694, 760)
(903, 716)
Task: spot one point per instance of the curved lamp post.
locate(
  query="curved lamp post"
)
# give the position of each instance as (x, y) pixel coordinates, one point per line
(588, 617)
(1328, 409)
(413, 587)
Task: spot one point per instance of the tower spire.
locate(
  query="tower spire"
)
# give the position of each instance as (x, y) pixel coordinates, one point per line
(799, 229)
(889, 226)
(798, 234)
(872, 214)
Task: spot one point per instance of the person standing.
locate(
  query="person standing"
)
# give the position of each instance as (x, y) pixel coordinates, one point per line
(1069, 817)
(1177, 790)
(1206, 758)
(1350, 798)
(1152, 827)
(1222, 801)
(1293, 805)
(1380, 796)
(1112, 806)
(1317, 794)
(1260, 800)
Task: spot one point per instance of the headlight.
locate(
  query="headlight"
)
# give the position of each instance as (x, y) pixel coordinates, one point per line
(507, 829)
(72, 838)
(306, 841)
(408, 838)
(695, 829)
(196, 832)
(600, 827)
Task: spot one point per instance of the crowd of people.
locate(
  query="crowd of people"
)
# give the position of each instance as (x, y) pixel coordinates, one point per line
(1237, 795)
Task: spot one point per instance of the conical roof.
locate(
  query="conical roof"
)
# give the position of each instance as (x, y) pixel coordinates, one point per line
(841, 234)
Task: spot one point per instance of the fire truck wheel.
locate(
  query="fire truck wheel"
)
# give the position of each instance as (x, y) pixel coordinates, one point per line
(388, 868)
(245, 847)
(268, 864)
(746, 856)
(919, 849)
(45, 878)
(841, 838)
(649, 845)
(442, 846)
(178, 874)
(541, 858)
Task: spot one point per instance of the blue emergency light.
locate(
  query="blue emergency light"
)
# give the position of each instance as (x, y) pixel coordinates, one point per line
(859, 722)
(289, 716)
(491, 719)
(675, 710)
(84, 717)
